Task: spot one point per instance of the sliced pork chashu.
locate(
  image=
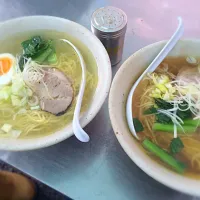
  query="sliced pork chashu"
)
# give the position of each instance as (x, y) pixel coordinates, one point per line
(54, 91)
(188, 75)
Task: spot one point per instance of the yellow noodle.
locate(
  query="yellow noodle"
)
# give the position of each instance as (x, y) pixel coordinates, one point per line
(33, 123)
(191, 150)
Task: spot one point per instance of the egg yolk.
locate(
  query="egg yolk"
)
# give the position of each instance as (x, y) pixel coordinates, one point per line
(5, 65)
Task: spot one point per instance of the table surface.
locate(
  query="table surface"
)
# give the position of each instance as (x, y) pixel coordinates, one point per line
(100, 169)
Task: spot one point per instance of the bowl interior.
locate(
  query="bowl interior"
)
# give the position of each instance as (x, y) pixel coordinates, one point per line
(34, 23)
(122, 83)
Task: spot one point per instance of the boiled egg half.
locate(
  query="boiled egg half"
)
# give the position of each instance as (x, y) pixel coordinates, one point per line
(7, 62)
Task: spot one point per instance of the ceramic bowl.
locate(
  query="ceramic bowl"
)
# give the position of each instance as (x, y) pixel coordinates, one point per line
(121, 85)
(34, 23)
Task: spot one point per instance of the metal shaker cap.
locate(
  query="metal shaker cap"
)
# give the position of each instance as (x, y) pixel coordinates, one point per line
(109, 20)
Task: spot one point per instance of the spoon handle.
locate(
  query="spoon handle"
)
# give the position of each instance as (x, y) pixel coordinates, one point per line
(168, 47)
(78, 131)
(154, 64)
(165, 50)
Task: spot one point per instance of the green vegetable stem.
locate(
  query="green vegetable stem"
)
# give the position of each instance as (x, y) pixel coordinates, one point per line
(43, 56)
(170, 128)
(164, 156)
(192, 122)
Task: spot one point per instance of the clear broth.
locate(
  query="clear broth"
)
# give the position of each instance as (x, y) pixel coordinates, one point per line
(163, 138)
(13, 45)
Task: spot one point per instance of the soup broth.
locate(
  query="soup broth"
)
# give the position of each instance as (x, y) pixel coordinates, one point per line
(37, 123)
(189, 153)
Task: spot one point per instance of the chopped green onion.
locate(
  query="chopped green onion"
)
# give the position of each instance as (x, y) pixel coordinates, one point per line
(6, 128)
(16, 101)
(35, 107)
(15, 133)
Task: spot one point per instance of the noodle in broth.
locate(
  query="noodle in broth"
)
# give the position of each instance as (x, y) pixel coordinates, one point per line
(34, 123)
(142, 100)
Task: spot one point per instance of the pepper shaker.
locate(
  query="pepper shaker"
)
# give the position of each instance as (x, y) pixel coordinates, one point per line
(109, 25)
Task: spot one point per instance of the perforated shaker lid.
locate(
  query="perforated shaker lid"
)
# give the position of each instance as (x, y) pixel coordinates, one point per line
(109, 19)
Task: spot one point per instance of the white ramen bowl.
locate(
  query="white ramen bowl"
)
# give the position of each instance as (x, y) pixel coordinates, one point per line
(122, 83)
(34, 23)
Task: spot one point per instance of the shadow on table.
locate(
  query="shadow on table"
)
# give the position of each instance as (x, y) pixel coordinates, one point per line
(131, 177)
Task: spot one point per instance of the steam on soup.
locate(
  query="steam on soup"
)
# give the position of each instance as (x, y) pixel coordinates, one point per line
(166, 114)
(40, 77)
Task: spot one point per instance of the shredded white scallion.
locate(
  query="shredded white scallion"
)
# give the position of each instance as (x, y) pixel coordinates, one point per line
(175, 126)
(35, 73)
(32, 73)
(188, 92)
(175, 119)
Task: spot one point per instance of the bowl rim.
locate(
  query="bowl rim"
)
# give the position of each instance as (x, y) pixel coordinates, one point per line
(179, 182)
(44, 141)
